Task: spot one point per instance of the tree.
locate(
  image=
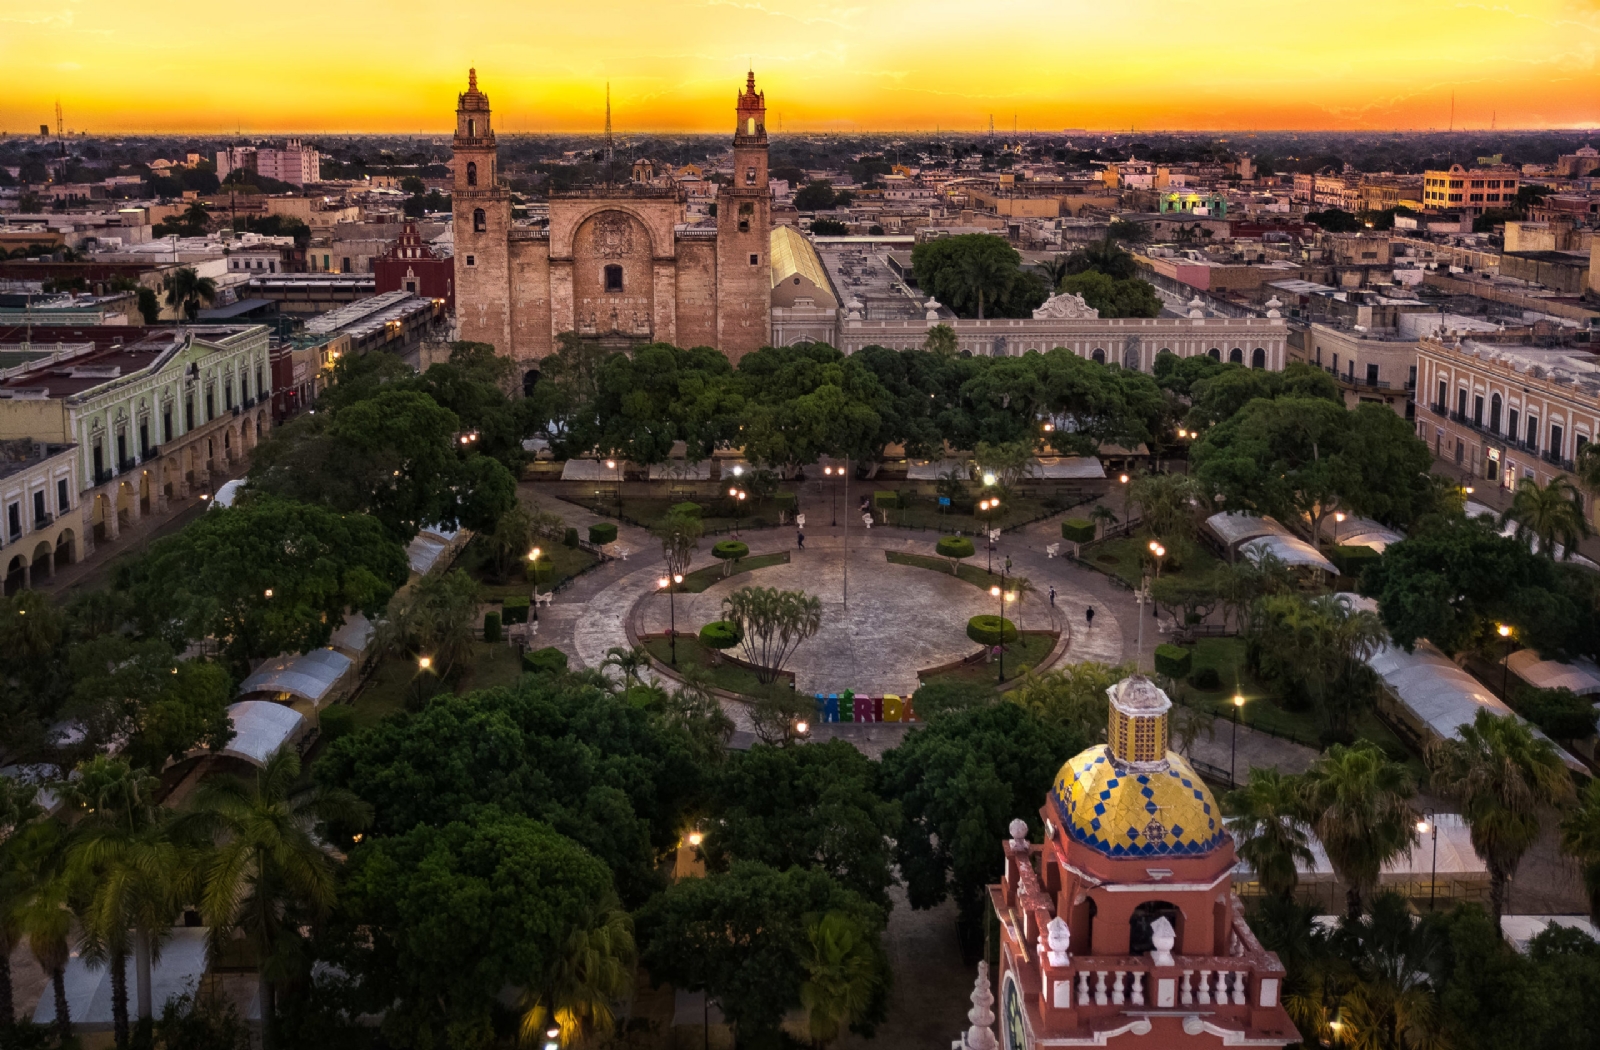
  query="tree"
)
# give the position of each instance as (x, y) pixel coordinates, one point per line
(19, 876)
(1167, 504)
(1552, 514)
(1588, 467)
(973, 273)
(772, 625)
(438, 618)
(1129, 297)
(941, 340)
(266, 869)
(44, 911)
(1502, 775)
(1072, 696)
(1335, 221)
(629, 663)
(436, 921)
(1359, 803)
(267, 576)
(815, 196)
(815, 807)
(844, 972)
(960, 781)
(148, 305)
(592, 970)
(828, 227)
(679, 534)
(139, 692)
(1580, 840)
(186, 290)
(510, 541)
(1105, 257)
(1317, 648)
(1269, 829)
(606, 773)
(743, 937)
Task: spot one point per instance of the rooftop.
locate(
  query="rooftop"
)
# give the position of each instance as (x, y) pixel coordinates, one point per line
(24, 453)
(118, 351)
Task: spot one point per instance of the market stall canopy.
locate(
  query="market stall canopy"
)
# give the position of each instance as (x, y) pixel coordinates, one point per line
(354, 635)
(1581, 676)
(1456, 855)
(310, 676)
(1291, 550)
(1364, 532)
(1233, 529)
(261, 727)
(228, 493)
(183, 962)
(428, 545)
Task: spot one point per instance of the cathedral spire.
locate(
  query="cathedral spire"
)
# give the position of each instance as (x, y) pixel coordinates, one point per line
(608, 132)
(472, 79)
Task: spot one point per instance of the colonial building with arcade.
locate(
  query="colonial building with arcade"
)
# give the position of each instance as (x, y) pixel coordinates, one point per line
(1122, 928)
(620, 264)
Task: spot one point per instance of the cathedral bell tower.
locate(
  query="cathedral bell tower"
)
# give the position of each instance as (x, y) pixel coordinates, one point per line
(481, 210)
(744, 233)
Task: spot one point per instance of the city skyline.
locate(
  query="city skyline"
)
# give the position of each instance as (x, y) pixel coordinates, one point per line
(675, 67)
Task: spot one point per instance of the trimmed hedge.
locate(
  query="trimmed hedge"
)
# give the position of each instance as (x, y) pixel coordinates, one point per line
(784, 500)
(1350, 561)
(569, 538)
(514, 610)
(888, 499)
(1078, 530)
(1206, 678)
(991, 630)
(730, 550)
(491, 627)
(541, 571)
(720, 634)
(548, 660)
(1173, 661)
(692, 509)
(954, 547)
(602, 533)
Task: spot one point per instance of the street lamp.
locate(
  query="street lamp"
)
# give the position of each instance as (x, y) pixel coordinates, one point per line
(533, 563)
(987, 506)
(668, 584)
(1233, 751)
(1004, 596)
(1158, 552)
(1429, 825)
(425, 662)
(833, 493)
(1504, 630)
(802, 727)
(1122, 479)
(1338, 518)
(616, 465)
(738, 496)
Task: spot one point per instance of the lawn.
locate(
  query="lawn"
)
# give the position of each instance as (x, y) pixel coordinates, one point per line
(977, 575)
(700, 579)
(565, 562)
(724, 675)
(923, 512)
(1127, 559)
(1262, 709)
(1021, 656)
(650, 511)
(397, 679)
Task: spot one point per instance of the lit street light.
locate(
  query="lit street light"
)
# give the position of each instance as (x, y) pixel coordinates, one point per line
(668, 585)
(1504, 630)
(1233, 751)
(1004, 596)
(1429, 825)
(833, 494)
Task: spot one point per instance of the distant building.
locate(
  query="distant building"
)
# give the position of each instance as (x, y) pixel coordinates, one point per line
(1472, 191)
(295, 163)
(38, 489)
(411, 265)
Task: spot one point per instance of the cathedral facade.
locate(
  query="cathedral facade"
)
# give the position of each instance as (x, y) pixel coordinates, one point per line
(621, 264)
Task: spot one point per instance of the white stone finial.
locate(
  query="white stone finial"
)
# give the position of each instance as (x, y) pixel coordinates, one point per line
(933, 306)
(1060, 941)
(981, 1035)
(1274, 307)
(1197, 307)
(1019, 832)
(1162, 937)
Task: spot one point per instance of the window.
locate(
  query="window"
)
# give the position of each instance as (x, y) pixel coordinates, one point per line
(613, 275)
(472, 128)
(1494, 414)
(1258, 358)
(1411, 378)
(1335, 364)
(1372, 375)
(41, 516)
(750, 126)
(1533, 432)
(1556, 443)
(63, 500)
(227, 394)
(750, 176)
(745, 212)
(411, 286)
(14, 520)
(1236, 356)
(480, 222)
(472, 173)
(1477, 410)
(1215, 354)
(472, 260)
(344, 266)
(122, 451)
(1461, 403)
(144, 438)
(211, 403)
(1099, 356)
(99, 461)
(755, 260)
(1511, 424)
(166, 423)
(1441, 395)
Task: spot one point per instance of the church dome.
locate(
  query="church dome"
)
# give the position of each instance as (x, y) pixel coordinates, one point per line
(1133, 796)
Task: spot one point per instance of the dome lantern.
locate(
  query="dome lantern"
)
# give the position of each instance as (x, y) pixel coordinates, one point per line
(1139, 731)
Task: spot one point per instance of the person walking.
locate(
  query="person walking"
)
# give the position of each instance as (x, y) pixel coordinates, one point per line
(1088, 614)
(800, 536)
(1052, 596)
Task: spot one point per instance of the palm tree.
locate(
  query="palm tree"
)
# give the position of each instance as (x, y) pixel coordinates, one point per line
(45, 915)
(1023, 588)
(126, 872)
(1103, 517)
(842, 975)
(438, 619)
(629, 663)
(1360, 807)
(1391, 1003)
(17, 879)
(1552, 514)
(510, 540)
(187, 289)
(266, 869)
(772, 624)
(594, 970)
(1588, 467)
(1270, 830)
(1501, 774)
(1580, 840)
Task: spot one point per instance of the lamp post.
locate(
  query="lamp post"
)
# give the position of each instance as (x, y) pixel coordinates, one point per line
(1140, 597)
(1004, 596)
(846, 588)
(533, 563)
(670, 585)
(1233, 750)
(738, 496)
(1123, 480)
(1429, 825)
(616, 465)
(1338, 519)
(987, 506)
(1504, 630)
(833, 493)
(1157, 551)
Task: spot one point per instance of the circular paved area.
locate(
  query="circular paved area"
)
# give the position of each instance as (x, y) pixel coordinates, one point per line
(898, 620)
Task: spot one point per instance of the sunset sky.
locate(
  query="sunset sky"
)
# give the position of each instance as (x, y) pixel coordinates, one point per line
(396, 65)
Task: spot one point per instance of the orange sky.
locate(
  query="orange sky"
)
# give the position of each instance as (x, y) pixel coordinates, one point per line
(395, 66)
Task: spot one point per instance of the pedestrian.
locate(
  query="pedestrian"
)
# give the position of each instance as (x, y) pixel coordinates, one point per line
(801, 537)
(1008, 563)
(1088, 614)
(1052, 596)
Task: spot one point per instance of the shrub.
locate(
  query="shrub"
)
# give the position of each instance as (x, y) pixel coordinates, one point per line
(954, 547)
(570, 538)
(1560, 712)
(1078, 530)
(730, 550)
(491, 627)
(886, 500)
(514, 610)
(337, 721)
(991, 630)
(720, 634)
(548, 660)
(692, 509)
(1173, 660)
(783, 500)
(602, 533)
(541, 571)
(1206, 678)
(1350, 561)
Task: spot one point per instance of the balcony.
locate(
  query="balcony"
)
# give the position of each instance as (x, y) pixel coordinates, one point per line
(1554, 459)
(42, 522)
(103, 476)
(125, 465)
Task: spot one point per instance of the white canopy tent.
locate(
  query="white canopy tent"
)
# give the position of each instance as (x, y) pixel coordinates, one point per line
(1291, 550)
(1581, 676)
(227, 493)
(261, 727)
(1456, 856)
(353, 636)
(1066, 468)
(678, 470)
(178, 972)
(591, 470)
(1364, 532)
(428, 546)
(310, 676)
(1233, 529)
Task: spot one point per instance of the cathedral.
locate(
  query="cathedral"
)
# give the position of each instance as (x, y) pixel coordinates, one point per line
(622, 265)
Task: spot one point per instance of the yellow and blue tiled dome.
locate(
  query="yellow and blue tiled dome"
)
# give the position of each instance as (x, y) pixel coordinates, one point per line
(1129, 812)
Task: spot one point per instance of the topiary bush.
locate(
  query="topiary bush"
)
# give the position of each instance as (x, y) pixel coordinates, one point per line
(720, 634)
(514, 610)
(1173, 660)
(491, 627)
(692, 509)
(569, 538)
(955, 548)
(991, 630)
(548, 660)
(1206, 678)
(729, 551)
(888, 499)
(337, 721)
(602, 533)
(1078, 530)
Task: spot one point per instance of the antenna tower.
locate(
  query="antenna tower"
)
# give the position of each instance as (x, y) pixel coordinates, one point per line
(991, 127)
(61, 142)
(608, 132)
